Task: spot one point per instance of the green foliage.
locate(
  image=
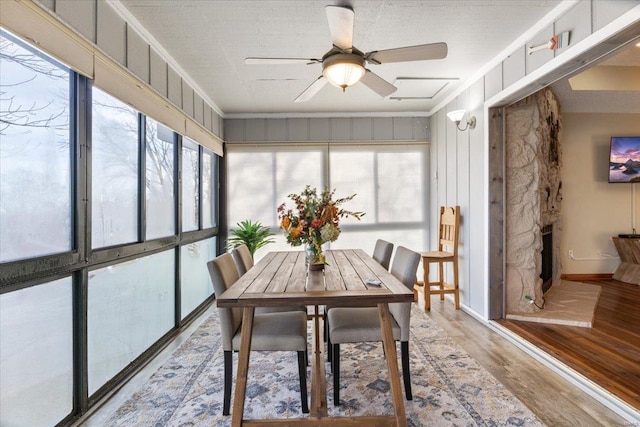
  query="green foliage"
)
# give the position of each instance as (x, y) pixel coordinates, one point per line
(252, 234)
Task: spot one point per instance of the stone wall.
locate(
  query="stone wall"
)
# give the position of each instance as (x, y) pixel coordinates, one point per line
(533, 195)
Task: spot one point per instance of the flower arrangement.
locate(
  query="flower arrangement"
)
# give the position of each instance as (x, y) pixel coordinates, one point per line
(315, 220)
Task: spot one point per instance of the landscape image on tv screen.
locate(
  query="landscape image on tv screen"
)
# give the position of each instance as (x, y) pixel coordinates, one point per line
(624, 159)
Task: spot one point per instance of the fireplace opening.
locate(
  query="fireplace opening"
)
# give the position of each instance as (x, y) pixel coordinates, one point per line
(546, 273)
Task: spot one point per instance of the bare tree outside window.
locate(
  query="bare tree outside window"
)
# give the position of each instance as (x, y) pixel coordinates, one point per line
(35, 158)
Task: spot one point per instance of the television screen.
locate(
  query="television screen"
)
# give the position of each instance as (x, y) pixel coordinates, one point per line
(624, 159)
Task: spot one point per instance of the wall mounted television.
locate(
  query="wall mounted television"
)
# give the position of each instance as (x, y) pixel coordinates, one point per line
(624, 159)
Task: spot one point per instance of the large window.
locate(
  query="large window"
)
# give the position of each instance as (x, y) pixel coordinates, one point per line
(390, 182)
(131, 305)
(36, 354)
(160, 190)
(92, 262)
(190, 186)
(195, 283)
(35, 153)
(114, 171)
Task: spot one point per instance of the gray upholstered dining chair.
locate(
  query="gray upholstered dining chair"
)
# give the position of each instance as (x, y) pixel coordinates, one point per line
(362, 324)
(382, 253)
(283, 331)
(243, 258)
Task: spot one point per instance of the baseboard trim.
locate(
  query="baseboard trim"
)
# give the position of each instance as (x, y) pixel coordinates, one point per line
(579, 277)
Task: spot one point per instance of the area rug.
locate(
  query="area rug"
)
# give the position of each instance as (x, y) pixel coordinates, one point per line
(568, 303)
(449, 387)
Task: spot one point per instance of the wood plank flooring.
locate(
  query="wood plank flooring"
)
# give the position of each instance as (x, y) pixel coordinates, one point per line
(607, 353)
(553, 399)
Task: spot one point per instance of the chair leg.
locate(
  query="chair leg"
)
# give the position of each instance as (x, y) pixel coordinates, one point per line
(456, 294)
(329, 350)
(302, 370)
(336, 374)
(406, 374)
(427, 287)
(228, 372)
(441, 279)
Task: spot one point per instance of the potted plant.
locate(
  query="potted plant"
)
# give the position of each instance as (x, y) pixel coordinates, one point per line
(253, 234)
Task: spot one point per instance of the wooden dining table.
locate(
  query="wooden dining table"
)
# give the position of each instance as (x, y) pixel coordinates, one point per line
(283, 279)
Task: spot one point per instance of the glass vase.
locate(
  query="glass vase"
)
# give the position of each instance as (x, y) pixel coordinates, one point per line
(314, 258)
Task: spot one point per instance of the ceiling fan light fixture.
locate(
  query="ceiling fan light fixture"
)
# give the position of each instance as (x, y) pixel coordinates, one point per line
(343, 69)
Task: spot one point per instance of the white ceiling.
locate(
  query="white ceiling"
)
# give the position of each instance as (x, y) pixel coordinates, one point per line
(210, 39)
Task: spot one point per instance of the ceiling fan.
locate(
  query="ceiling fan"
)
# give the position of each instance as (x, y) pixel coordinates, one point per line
(344, 65)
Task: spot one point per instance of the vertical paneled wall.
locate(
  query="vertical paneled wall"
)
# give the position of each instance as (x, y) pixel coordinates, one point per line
(326, 129)
(99, 23)
(459, 159)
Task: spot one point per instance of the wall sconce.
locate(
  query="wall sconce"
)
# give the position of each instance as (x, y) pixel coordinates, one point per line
(457, 116)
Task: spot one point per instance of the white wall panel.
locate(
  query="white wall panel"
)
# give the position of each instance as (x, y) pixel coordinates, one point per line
(207, 115)
(48, 4)
(256, 129)
(137, 55)
(475, 214)
(319, 130)
(112, 33)
(217, 125)
(81, 14)
(578, 21)
(234, 130)
(341, 129)
(174, 87)
(198, 108)
(277, 130)
(493, 81)
(158, 73)
(382, 129)
(403, 129)
(187, 98)
(298, 129)
(513, 68)
(362, 129)
(606, 11)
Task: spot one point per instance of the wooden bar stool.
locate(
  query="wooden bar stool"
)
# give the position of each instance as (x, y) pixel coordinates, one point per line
(447, 252)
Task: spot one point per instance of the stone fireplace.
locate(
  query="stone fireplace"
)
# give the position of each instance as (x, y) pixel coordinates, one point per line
(533, 198)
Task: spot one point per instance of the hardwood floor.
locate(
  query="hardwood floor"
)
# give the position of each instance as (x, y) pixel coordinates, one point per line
(607, 353)
(553, 399)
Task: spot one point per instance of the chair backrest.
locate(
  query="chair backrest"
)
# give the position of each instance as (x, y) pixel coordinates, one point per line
(449, 229)
(382, 253)
(243, 259)
(404, 268)
(224, 274)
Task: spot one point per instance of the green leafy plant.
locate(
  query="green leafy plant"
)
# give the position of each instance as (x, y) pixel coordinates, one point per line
(252, 234)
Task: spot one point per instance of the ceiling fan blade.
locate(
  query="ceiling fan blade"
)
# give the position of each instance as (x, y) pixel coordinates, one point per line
(410, 53)
(314, 88)
(280, 61)
(377, 84)
(340, 25)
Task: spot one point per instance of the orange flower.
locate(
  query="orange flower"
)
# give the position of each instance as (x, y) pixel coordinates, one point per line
(286, 222)
(295, 233)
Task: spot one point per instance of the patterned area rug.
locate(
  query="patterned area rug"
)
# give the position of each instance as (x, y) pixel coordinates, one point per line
(449, 387)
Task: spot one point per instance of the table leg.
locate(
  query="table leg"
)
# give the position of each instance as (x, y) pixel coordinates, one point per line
(243, 367)
(318, 378)
(392, 364)
(427, 285)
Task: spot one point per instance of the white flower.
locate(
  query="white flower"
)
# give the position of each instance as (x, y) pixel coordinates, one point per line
(329, 232)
